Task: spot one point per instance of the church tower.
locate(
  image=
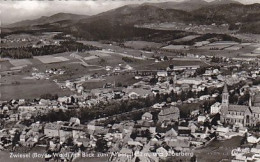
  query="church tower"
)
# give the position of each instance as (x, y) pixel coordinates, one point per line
(225, 103)
(225, 96)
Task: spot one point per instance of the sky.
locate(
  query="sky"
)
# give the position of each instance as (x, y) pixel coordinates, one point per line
(13, 11)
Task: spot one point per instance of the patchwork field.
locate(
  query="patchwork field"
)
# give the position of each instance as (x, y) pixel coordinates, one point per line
(142, 44)
(20, 62)
(90, 57)
(5, 65)
(176, 47)
(165, 64)
(51, 59)
(233, 48)
(73, 63)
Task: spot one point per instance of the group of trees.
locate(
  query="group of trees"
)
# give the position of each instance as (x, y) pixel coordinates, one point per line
(101, 110)
(127, 59)
(29, 52)
(114, 108)
(60, 115)
(144, 133)
(49, 96)
(216, 59)
(102, 61)
(101, 145)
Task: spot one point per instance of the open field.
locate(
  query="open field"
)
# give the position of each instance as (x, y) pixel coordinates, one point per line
(218, 150)
(257, 50)
(187, 38)
(233, 48)
(20, 62)
(31, 91)
(226, 53)
(5, 65)
(142, 44)
(96, 61)
(215, 47)
(165, 64)
(176, 47)
(117, 49)
(100, 53)
(201, 29)
(50, 59)
(17, 86)
(123, 79)
(90, 57)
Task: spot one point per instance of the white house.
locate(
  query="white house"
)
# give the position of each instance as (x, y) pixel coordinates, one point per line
(202, 118)
(215, 108)
(162, 74)
(195, 81)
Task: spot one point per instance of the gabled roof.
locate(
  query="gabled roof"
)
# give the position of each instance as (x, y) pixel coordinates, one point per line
(255, 110)
(171, 133)
(238, 108)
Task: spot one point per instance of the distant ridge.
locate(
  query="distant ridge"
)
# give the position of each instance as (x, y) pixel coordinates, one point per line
(47, 20)
(190, 5)
(240, 17)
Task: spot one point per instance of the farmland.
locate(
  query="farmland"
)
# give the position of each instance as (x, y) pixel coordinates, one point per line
(77, 64)
(122, 79)
(142, 44)
(50, 59)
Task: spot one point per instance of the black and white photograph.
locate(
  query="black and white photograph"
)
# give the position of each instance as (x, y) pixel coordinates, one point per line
(130, 81)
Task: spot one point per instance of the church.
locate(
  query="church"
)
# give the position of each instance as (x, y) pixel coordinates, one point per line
(245, 115)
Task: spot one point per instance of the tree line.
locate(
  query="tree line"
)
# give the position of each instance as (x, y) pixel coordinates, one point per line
(29, 52)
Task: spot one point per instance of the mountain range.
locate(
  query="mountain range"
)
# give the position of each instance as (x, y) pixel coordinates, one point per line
(190, 5)
(119, 22)
(48, 20)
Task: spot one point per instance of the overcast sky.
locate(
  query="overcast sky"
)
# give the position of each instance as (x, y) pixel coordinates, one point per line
(13, 11)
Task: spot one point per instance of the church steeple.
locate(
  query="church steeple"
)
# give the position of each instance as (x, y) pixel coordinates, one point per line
(225, 102)
(250, 99)
(225, 96)
(225, 90)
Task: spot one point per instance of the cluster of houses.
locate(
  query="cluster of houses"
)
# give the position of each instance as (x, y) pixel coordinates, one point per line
(47, 74)
(30, 40)
(153, 137)
(250, 153)
(159, 133)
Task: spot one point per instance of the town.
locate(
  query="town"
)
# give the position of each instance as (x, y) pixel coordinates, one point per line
(167, 113)
(138, 82)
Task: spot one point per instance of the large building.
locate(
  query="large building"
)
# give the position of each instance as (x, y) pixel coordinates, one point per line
(243, 114)
(169, 114)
